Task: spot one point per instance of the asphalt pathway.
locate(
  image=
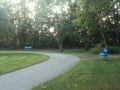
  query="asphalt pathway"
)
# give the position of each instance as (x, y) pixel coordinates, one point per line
(25, 79)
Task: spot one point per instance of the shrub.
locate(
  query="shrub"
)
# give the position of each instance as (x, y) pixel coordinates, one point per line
(114, 50)
(96, 50)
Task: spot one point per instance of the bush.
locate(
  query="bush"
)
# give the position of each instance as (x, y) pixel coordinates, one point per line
(114, 50)
(95, 50)
(111, 50)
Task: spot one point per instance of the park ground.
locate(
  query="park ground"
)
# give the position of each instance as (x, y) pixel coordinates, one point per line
(27, 78)
(91, 73)
(12, 61)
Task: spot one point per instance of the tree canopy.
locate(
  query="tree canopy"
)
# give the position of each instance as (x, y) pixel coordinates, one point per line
(74, 23)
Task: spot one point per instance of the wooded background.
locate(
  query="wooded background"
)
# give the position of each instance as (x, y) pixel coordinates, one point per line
(59, 23)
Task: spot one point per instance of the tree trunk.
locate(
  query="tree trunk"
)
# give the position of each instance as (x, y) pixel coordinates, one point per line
(104, 40)
(60, 45)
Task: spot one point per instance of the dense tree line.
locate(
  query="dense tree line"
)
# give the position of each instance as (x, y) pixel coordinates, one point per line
(59, 23)
(99, 22)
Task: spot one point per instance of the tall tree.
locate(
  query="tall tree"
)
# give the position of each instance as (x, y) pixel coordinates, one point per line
(94, 17)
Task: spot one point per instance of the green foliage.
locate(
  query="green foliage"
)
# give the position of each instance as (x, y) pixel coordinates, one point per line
(82, 23)
(4, 25)
(114, 50)
(96, 22)
(96, 50)
(111, 50)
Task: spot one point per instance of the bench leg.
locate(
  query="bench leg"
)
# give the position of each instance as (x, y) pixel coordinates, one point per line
(105, 57)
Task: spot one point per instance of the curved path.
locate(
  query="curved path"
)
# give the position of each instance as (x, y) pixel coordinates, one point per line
(31, 76)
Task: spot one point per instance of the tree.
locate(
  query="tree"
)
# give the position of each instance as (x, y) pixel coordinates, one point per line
(4, 26)
(95, 20)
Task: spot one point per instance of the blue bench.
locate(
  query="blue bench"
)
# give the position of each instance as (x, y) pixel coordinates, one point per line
(104, 53)
(27, 47)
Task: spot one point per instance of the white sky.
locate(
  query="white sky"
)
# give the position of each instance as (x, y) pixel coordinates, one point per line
(51, 29)
(13, 1)
(59, 9)
(31, 6)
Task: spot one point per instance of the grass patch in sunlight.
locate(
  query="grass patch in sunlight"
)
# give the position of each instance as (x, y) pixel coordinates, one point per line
(13, 61)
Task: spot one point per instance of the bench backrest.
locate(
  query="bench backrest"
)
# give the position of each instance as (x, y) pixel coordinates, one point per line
(105, 50)
(28, 47)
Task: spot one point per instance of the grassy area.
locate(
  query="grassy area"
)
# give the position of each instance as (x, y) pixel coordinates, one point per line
(91, 73)
(13, 61)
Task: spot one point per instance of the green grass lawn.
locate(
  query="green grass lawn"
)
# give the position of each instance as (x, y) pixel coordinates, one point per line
(13, 61)
(91, 73)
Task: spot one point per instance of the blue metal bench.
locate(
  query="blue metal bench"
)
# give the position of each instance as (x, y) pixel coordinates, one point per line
(27, 47)
(104, 53)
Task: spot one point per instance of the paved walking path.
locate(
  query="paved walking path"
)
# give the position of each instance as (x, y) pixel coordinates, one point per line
(31, 76)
